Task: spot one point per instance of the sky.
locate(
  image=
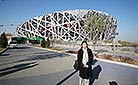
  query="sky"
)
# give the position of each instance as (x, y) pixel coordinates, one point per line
(124, 11)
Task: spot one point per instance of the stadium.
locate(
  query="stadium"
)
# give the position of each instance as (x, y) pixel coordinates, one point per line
(67, 26)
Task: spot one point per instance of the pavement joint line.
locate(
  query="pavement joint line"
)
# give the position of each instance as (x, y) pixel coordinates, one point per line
(104, 60)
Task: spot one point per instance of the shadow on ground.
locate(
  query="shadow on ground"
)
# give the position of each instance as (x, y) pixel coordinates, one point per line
(95, 74)
(20, 48)
(39, 56)
(96, 71)
(16, 68)
(94, 62)
(5, 54)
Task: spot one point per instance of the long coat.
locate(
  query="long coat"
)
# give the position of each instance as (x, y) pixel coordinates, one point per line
(89, 63)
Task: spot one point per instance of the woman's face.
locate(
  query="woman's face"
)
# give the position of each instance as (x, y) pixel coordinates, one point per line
(84, 45)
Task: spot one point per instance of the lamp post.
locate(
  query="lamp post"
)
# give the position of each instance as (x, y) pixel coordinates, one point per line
(114, 45)
(1, 25)
(4, 26)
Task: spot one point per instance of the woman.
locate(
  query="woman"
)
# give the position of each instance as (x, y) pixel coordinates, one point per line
(85, 58)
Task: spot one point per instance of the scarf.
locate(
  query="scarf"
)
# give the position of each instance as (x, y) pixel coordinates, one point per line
(85, 57)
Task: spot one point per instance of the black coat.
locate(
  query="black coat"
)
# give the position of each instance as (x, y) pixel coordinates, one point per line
(89, 63)
(80, 57)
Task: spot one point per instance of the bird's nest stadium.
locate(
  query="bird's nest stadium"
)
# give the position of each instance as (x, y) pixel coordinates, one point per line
(66, 26)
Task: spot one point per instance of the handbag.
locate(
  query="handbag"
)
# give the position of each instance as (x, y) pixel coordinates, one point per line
(76, 65)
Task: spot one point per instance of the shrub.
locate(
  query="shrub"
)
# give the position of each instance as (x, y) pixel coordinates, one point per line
(108, 57)
(126, 59)
(71, 51)
(45, 44)
(126, 49)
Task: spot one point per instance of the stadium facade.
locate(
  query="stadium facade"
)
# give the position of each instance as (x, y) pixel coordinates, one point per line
(66, 25)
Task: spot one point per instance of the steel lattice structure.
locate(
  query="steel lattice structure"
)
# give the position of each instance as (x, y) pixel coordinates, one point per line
(65, 25)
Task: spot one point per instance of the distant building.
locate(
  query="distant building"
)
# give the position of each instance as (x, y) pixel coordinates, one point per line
(66, 26)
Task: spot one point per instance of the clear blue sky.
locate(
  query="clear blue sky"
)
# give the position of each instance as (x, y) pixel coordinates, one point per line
(125, 11)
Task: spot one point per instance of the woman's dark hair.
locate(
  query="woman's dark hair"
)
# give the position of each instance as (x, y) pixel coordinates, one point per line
(84, 42)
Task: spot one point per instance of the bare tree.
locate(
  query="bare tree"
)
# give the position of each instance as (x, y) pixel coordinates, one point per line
(95, 26)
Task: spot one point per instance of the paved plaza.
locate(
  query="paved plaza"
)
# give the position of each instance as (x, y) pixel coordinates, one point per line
(27, 65)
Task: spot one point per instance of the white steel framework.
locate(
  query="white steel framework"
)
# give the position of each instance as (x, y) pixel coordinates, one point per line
(65, 25)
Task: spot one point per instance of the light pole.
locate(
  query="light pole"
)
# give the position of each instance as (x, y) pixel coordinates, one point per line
(4, 26)
(1, 25)
(114, 44)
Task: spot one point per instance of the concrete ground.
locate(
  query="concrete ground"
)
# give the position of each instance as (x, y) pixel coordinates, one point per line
(44, 70)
